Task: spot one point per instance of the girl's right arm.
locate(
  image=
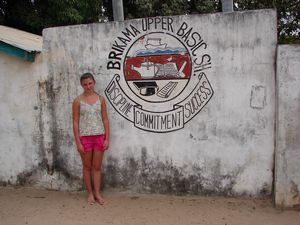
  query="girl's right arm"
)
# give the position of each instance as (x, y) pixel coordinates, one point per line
(75, 113)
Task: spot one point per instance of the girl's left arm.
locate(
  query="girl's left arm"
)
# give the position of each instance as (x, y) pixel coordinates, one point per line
(105, 122)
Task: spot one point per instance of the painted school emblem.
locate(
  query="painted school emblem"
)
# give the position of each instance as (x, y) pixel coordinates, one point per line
(159, 82)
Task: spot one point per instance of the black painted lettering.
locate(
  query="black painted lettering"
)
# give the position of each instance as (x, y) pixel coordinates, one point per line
(157, 20)
(205, 58)
(174, 119)
(203, 91)
(198, 98)
(147, 118)
(182, 28)
(179, 117)
(206, 88)
(199, 66)
(121, 100)
(136, 31)
(110, 89)
(150, 21)
(126, 108)
(118, 50)
(118, 46)
(157, 121)
(194, 104)
(170, 24)
(201, 43)
(163, 122)
(188, 112)
(137, 118)
(124, 40)
(113, 65)
(169, 122)
(202, 67)
(128, 34)
(186, 35)
(113, 91)
(151, 122)
(114, 55)
(144, 24)
(164, 24)
(195, 38)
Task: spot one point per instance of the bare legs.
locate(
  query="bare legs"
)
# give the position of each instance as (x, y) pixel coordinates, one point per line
(87, 169)
(97, 163)
(92, 162)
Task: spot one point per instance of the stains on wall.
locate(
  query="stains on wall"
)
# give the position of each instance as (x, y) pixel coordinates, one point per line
(258, 97)
(228, 122)
(287, 152)
(153, 175)
(46, 123)
(294, 190)
(50, 135)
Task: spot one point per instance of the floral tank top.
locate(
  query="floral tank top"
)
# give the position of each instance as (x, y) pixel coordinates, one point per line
(90, 120)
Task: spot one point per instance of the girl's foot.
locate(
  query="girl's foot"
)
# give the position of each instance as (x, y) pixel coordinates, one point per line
(99, 199)
(91, 199)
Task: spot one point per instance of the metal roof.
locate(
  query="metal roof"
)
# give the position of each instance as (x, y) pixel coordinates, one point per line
(21, 39)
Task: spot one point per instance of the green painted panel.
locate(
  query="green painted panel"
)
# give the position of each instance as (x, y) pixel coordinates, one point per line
(16, 52)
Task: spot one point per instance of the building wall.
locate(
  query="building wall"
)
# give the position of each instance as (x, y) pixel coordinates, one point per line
(223, 139)
(19, 120)
(287, 179)
(26, 128)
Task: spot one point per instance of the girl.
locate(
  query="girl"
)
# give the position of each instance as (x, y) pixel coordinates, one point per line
(91, 133)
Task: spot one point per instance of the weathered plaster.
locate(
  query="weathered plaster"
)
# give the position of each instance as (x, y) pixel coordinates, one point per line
(227, 148)
(287, 179)
(28, 145)
(19, 110)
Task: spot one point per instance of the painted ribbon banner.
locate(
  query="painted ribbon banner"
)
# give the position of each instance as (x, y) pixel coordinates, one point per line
(160, 122)
(198, 98)
(119, 100)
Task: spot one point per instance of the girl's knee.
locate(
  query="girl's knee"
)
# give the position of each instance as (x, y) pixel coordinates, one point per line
(87, 167)
(97, 168)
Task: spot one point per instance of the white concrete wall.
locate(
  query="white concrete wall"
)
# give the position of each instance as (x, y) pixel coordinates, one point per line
(226, 148)
(287, 178)
(26, 128)
(19, 120)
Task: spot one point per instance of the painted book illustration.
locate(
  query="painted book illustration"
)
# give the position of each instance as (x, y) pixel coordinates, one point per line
(167, 90)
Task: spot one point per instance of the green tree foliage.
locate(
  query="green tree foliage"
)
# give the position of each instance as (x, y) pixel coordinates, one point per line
(288, 16)
(35, 15)
(16, 13)
(206, 6)
(288, 13)
(146, 8)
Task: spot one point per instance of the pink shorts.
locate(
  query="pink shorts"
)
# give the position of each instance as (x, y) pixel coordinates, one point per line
(91, 143)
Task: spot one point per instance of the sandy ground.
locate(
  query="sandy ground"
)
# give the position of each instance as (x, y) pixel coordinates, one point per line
(41, 207)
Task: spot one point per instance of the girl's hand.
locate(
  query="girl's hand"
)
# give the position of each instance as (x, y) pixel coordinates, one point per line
(80, 148)
(106, 144)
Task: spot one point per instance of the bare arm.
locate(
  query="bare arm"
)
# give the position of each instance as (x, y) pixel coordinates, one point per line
(75, 113)
(105, 122)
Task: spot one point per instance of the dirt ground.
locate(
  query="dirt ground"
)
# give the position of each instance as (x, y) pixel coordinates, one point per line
(41, 207)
